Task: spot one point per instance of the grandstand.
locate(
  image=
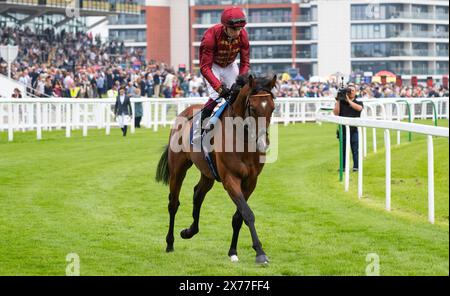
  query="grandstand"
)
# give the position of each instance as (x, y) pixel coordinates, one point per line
(57, 13)
(45, 18)
(86, 7)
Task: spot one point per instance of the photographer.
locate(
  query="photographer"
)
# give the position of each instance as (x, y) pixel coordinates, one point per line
(347, 106)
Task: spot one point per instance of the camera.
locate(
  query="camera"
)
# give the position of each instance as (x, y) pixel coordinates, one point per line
(343, 92)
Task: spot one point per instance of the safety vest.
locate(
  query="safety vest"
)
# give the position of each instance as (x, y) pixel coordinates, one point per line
(74, 92)
(112, 93)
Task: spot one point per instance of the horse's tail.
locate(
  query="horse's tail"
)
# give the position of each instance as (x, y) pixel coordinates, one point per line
(162, 171)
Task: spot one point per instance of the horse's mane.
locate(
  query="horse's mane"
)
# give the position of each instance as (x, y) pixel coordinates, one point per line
(262, 82)
(242, 80)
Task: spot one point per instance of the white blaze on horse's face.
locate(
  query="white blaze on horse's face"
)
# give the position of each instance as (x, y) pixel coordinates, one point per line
(264, 104)
(260, 103)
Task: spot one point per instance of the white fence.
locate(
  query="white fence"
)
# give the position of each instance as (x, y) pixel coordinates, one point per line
(58, 113)
(69, 114)
(362, 124)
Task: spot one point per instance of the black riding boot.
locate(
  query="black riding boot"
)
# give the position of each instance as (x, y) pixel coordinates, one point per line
(205, 114)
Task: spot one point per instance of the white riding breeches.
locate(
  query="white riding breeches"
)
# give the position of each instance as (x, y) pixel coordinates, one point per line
(225, 75)
(123, 120)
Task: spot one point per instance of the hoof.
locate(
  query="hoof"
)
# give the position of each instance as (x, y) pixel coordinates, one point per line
(234, 258)
(187, 234)
(262, 259)
(169, 249)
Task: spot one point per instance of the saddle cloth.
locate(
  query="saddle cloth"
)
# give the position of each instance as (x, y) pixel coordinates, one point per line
(196, 136)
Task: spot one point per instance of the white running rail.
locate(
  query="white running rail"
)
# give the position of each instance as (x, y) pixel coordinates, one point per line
(361, 123)
(57, 113)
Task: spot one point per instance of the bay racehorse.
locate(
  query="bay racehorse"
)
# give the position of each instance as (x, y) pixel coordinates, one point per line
(238, 171)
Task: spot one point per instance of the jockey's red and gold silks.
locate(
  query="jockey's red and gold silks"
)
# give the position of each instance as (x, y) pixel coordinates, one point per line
(216, 47)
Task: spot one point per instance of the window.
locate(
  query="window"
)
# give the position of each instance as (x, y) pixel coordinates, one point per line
(269, 15)
(209, 17)
(379, 49)
(271, 52)
(128, 35)
(442, 68)
(258, 34)
(396, 67)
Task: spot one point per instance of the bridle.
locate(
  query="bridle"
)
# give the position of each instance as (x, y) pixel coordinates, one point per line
(249, 112)
(254, 93)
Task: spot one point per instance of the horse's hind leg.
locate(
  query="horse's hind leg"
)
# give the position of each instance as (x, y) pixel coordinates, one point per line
(200, 190)
(176, 180)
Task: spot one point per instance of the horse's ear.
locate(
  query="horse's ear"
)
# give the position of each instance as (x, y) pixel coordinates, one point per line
(251, 82)
(273, 83)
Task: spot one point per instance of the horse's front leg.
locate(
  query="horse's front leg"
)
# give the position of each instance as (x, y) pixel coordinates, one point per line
(233, 186)
(236, 223)
(247, 189)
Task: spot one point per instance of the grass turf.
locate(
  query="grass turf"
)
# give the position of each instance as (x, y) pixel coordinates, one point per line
(96, 196)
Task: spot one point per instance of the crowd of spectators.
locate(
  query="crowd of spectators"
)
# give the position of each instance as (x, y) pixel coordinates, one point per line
(82, 66)
(79, 65)
(291, 88)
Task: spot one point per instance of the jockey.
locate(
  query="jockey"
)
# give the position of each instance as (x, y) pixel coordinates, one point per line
(219, 48)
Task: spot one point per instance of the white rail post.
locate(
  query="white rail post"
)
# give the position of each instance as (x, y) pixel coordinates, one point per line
(387, 141)
(68, 118)
(10, 123)
(38, 121)
(423, 110)
(286, 113)
(430, 180)
(447, 110)
(179, 110)
(24, 116)
(365, 141)
(31, 116)
(149, 112)
(155, 126)
(374, 140)
(107, 110)
(85, 111)
(99, 115)
(43, 117)
(399, 118)
(360, 163)
(58, 116)
(133, 116)
(77, 116)
(2, 124)
(347, 157)
(164, 114)
(47, 117)
(383, 112)
(16, 116)
(303, 107)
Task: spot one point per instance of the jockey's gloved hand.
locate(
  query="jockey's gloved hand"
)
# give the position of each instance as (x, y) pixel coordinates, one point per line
(224, 92)
(234, 92)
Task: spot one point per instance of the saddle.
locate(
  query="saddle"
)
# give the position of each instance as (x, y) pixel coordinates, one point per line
(195, 132)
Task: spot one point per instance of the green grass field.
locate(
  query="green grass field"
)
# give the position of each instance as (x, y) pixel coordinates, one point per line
(96, 196)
